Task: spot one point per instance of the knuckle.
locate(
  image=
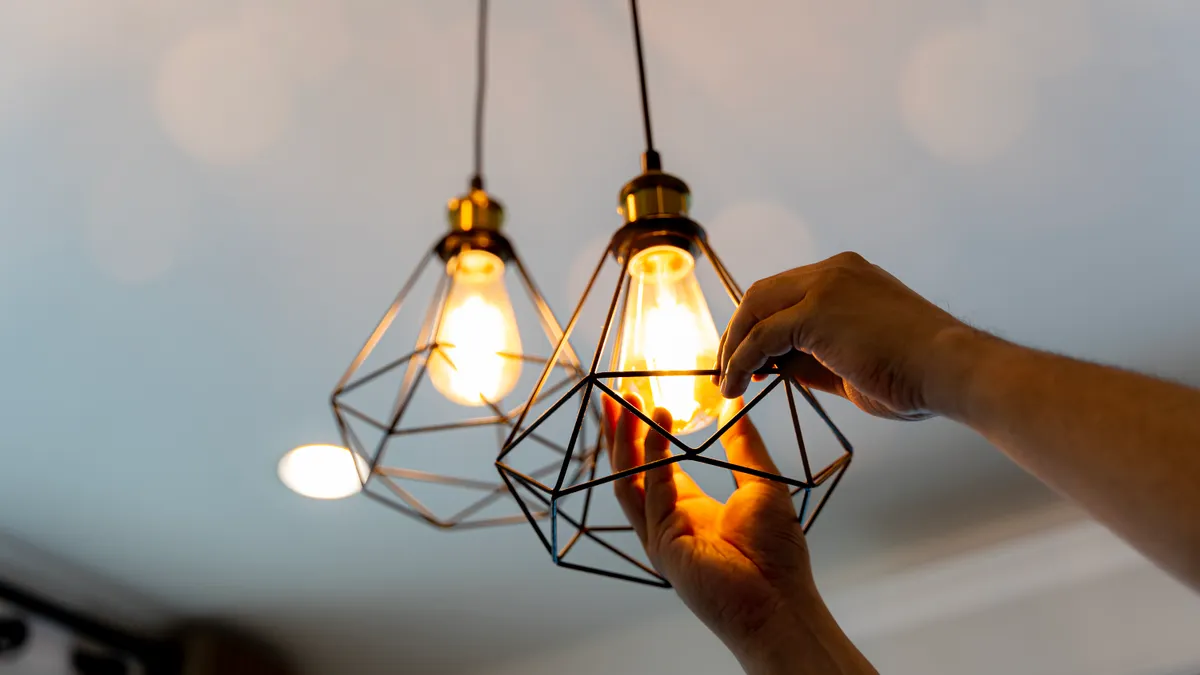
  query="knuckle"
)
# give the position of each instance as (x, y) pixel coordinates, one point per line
(753, 296)
(625, 488)
(821, 288)
(759, 337)
(735, 434)
(762, 290)
(799, 335)
(835, 279)
(851, 258)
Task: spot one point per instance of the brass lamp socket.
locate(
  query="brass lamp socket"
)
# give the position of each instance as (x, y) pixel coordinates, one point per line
(475, 222)
(476, 210)
(654, 207)
(654, 194)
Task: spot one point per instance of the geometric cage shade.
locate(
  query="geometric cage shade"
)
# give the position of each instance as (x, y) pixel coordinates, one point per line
(812, 460)
(423, 447)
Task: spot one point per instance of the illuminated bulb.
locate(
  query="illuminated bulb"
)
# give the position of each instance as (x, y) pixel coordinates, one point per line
(478, 358)
(322, 471)
(667, 326)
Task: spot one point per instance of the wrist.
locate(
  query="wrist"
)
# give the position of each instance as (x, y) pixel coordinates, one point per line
(804, 639)
(959, 353)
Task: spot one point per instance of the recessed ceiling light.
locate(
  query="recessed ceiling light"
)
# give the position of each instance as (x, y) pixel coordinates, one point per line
(322, 471)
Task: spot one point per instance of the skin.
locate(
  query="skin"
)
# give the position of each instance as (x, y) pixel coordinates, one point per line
(1124, 446)
(742, 567)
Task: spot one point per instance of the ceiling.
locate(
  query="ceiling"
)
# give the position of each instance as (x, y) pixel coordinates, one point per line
(204, 206)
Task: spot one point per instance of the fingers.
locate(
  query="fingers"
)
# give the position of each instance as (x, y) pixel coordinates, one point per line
(761, 300)
(764, 298)
(612, 413)
(625, 452)
(621, 432)
(774, 336)
(744, 445)
(660, 482)
(805, 369)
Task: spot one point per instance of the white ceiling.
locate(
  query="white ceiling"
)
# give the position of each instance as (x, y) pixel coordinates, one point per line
(205, 205)
(1070, 599)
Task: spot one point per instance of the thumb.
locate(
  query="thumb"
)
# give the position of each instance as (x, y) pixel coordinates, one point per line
(743, 444)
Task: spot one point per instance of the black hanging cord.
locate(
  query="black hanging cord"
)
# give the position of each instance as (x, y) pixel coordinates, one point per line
(480, 91)
(650, 159)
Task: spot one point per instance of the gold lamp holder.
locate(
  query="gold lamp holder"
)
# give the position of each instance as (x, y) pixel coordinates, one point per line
(654, 194)
(475, 211)
(475, 221)
(655, 208)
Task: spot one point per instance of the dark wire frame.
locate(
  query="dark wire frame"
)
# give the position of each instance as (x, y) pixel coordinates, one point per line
(414, 363)
(547, 495)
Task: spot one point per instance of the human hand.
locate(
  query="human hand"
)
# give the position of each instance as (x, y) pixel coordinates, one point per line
(742, 567)
(847, 327)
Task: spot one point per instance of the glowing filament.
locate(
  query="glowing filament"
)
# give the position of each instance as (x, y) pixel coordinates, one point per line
(667, 327)
(478, 356)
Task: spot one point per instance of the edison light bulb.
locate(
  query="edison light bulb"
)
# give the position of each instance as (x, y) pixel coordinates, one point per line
(478, 354)
(667, 326)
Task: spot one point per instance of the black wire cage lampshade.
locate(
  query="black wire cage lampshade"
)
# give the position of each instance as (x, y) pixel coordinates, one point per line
(429, 454)
(657, 339)
(467, 353)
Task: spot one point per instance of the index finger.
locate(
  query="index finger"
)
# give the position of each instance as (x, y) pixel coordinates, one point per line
(625, 450)
(624, 432)
(763, 299)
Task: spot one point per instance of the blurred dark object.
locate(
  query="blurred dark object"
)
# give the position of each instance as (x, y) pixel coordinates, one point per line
(89, 663)
(156, 658)
(13, 634)
(198, 648)
(215, 649)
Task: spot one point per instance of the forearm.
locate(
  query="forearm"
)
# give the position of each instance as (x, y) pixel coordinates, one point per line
(1124, 446)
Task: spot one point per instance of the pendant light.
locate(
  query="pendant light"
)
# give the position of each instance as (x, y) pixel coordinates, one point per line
(659, 340)
(470, 347)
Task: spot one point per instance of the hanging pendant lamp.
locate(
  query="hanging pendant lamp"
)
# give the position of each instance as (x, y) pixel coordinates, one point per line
(658, 340)
(429, 453)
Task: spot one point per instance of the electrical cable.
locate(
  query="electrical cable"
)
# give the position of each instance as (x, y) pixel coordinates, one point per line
(480, 92)
(650, 159)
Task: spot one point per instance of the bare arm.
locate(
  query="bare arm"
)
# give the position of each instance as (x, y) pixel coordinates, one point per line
(1124, 446)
